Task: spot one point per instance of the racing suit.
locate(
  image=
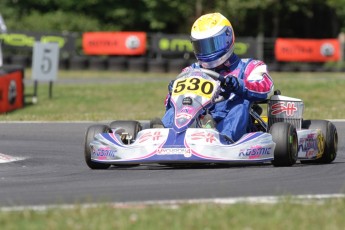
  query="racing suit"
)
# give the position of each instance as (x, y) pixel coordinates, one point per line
(232, 115)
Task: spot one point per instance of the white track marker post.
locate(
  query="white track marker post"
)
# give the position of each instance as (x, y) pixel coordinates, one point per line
(0, 53)
(45, 64)
(3, 29)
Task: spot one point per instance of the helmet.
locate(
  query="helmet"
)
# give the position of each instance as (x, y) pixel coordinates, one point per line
(213, 40)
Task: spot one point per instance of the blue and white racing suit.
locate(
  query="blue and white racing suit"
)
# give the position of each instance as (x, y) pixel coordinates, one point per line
(232, 115)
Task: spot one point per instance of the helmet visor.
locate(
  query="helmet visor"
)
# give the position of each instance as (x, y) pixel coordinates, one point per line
(222, 40)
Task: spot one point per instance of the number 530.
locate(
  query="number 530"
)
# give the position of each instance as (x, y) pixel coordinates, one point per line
(194, 84)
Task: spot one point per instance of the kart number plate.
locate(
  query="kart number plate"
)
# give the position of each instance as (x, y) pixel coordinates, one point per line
(198, 86)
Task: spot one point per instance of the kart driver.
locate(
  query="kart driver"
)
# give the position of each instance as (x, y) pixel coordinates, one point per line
(243, 81)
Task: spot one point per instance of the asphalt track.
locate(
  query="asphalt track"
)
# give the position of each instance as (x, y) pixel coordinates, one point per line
(52, 171)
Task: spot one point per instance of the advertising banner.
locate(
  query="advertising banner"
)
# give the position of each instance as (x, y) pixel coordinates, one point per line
(26, 40)
(114, 43)
(174, 44)
(11, 90)
(0, 53)
(307, 50)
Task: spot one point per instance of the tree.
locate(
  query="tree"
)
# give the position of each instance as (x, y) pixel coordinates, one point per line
(272, 18)
(293, 18)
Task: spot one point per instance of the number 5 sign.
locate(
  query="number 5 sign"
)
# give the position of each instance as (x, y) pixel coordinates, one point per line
(45, 61)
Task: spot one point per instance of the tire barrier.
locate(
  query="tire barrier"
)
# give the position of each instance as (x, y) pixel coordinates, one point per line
(78, 63)
(20, 60)
(176, 65)
(143, 64)
(137, 64)
(117, 63)
(97, 63)
(156, 66)
(64, 63)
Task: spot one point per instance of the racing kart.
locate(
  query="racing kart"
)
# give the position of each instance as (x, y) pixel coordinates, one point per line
(281, 138)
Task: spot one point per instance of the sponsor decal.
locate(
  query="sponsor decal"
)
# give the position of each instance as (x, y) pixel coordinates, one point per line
(103, 152)
(327, 49)
(12, 92)
(186, 152)
(184, 116)
(187, 101)
(289, 108)
(311, 153)
(254, 152)
(154, 136)
(132, 42)
(208, 137)
(310, 145)
(185, 109)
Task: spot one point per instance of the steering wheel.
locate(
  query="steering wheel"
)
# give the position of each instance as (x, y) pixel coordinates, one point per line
(211, 73)
(214, 75)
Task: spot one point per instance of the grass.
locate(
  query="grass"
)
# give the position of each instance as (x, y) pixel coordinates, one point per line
(286, 214)
(106, 95)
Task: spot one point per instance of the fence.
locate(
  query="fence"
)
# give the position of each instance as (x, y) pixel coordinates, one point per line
(164, 53)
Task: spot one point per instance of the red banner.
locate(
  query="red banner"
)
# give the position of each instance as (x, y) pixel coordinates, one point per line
(307, 50)
(114, 43)
(11, 91)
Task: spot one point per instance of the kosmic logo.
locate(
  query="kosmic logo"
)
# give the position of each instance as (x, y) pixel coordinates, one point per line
(255, 152)
(103, 152)
(12, 92)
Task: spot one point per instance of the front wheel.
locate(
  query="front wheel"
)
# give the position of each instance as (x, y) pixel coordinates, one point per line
(286, 150)
(132, 128)
(91, 132)
(330, 135)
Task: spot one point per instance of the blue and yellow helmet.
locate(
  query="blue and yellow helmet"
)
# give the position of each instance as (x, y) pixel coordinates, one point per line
(213, 40)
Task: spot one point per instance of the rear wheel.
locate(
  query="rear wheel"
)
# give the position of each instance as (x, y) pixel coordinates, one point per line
(91, 132)
(285, 137)
(330, 135)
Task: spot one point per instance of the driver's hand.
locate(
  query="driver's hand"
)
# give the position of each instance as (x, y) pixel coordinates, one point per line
(170, 86)
(230, 84)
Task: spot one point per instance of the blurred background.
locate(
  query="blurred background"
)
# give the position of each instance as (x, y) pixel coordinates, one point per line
(161, 31)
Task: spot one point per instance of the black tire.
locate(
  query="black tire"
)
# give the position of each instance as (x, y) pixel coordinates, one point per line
(330, 134)
(286, 150)
(131, 127)
(156, 123)
(91, 132)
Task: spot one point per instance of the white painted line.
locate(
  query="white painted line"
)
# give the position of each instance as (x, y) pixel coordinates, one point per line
(305, 199)
(7, 158)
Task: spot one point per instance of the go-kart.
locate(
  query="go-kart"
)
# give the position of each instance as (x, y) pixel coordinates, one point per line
(281, 138)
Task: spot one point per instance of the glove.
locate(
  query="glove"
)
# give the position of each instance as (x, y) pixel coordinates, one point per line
(167, 99)
(230, 84)
(170, 86)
